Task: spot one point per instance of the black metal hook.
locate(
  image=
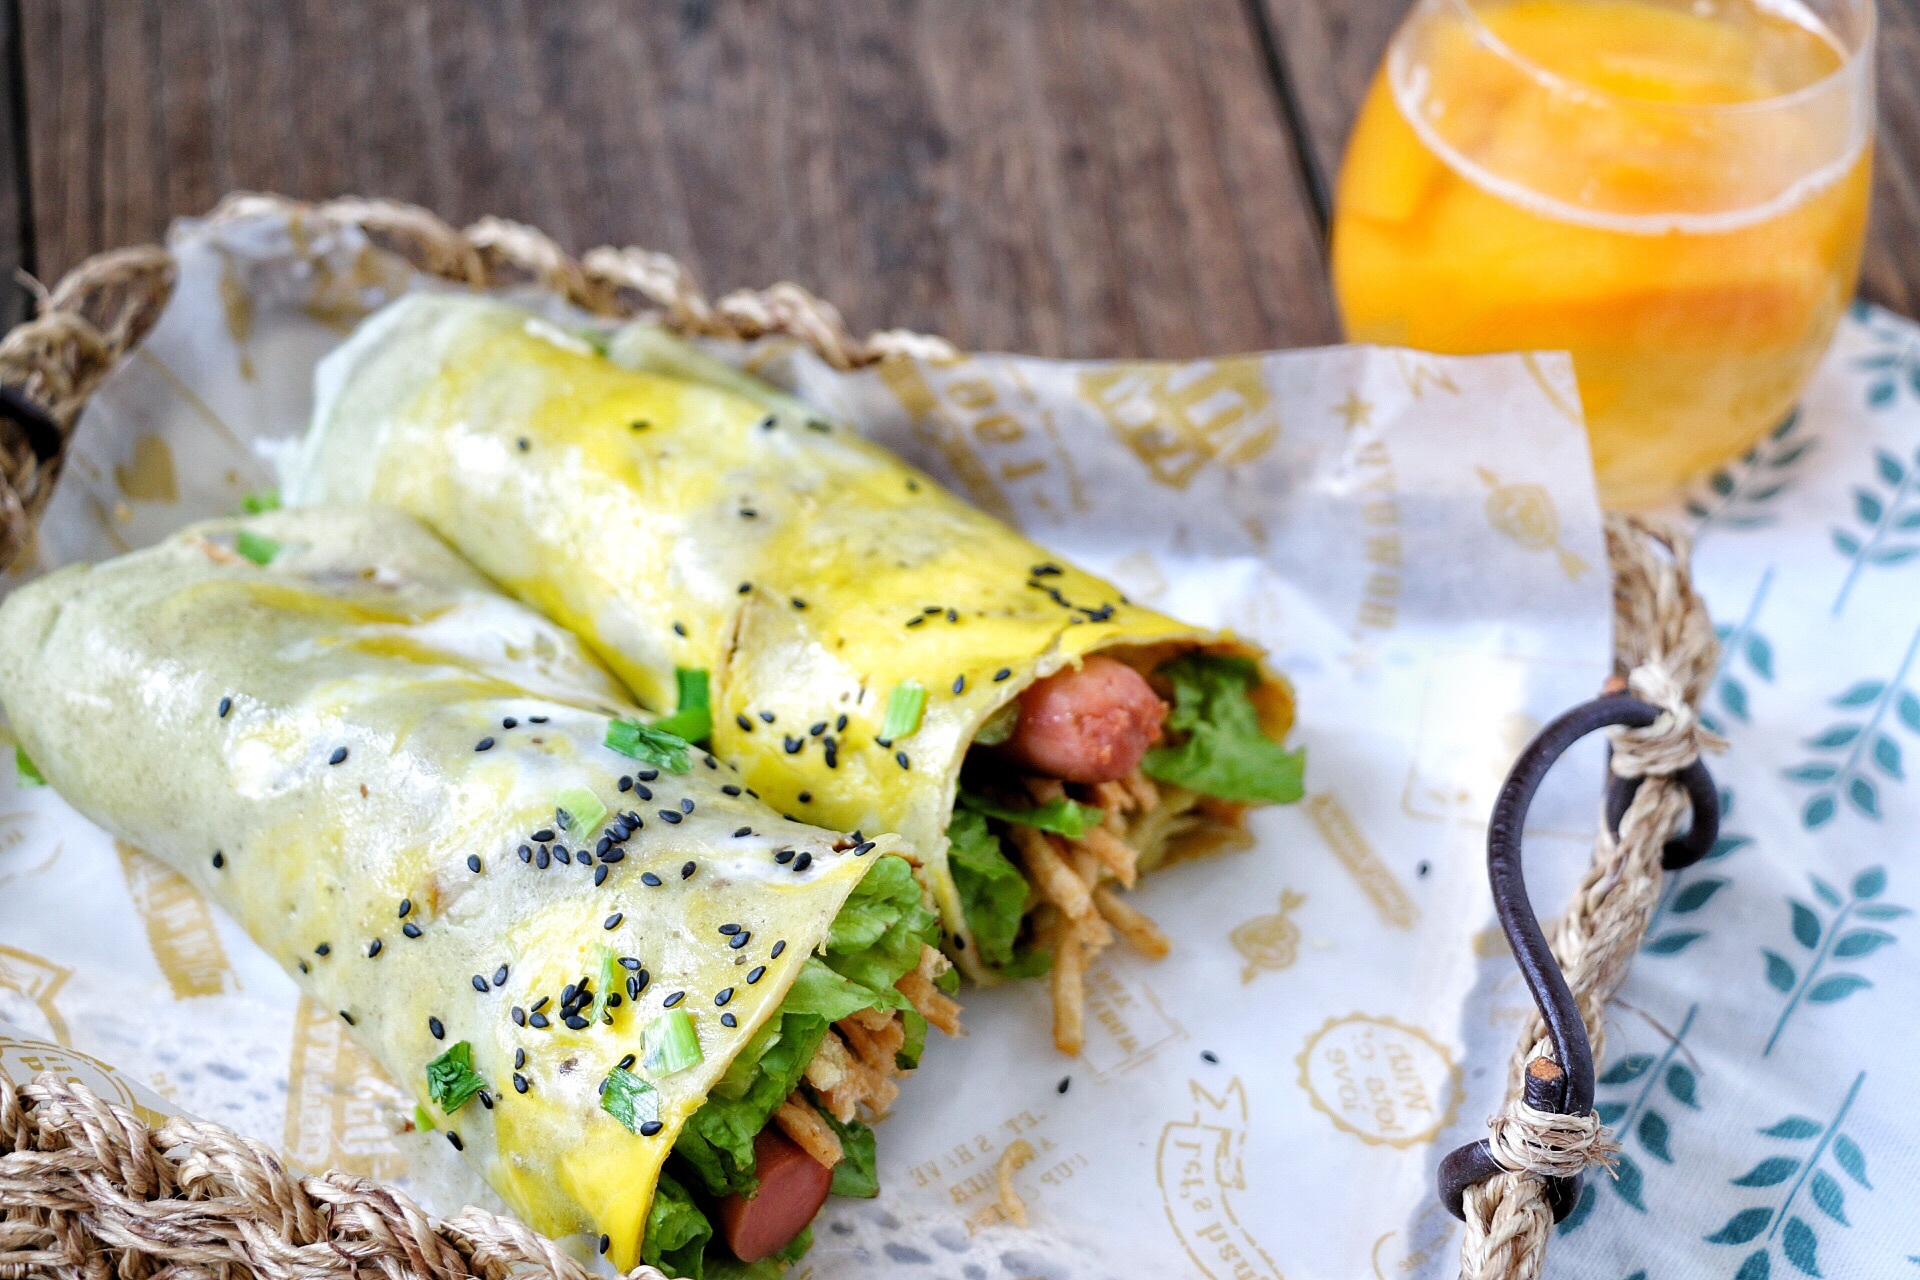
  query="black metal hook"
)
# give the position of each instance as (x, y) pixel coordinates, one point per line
(42, 432)
(1564, 1084)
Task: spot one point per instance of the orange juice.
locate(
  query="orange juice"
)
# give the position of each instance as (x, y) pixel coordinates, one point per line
(1675, 193)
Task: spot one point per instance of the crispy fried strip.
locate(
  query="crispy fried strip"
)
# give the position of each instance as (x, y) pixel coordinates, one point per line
(1069, 989)
(874, 1046)
(1144, 792)
(1141, 933)
(931, 1003)
(1048, 871)
(803, 1124)
(1017, 1153)
(827, 1070)
(1114, 798)
(1045, 790)
(1114, 853)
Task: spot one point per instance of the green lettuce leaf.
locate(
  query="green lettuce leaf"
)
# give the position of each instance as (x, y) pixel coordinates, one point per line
(876, 938)
(1224, 753)
(993, 893)
(677, 1232)
(907, 1056)
(854, 1176)
(1063, 817)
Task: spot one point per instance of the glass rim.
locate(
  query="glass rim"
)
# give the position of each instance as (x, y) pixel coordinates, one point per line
(1856, 57)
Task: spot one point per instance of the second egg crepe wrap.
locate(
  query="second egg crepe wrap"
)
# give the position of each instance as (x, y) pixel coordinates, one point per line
(683, 518)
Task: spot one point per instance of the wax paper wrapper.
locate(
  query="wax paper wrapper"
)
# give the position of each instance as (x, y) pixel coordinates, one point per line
(1416, 541)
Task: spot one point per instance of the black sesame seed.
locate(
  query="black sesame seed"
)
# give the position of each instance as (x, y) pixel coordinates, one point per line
(688, 868)
(953, 615)
(480, 984)
(728, 1020)
(509, 723)
(643, 793)
(304, 966)
(575, 1022)
(916, 620)
(901, 756)
(219, 859)
(710, 762)
(783, 856)
(1208, 1055)
(798, 603)
(339, 754)
(679, 629)
(730, 790)
(746, 725)
(742, 831)
(650, 1127)
(806, 797)
(669, 815)
(633, 987)
(519, 1020)
(959, 683)
(536, 719)
(373, 948)
(519, 1083)
(1062, 1086)
(818, 729)
(686, 806)
(756, 973)
(649, 879)
(485, 744)
(486, 1099)
(599, 876)
(606, 843)
(226, 705)
(739, 940)
(612, 921)
(766, 717)
(803, 861)
(324, 948)
(438, 1028)
(453, 1137)
(542, 859)
(673, 999)
(524, 444)
(1002, 674)
(500, 976)
(473, 862)
(626, 782)
(411, 929)
(778, 947)
(832, 754)
(745, 587)
(539, 1020)
(560, 852)
(769, 422)
(605, 1242)
(541, 1003)
(793, 745)
(406, 907)
(543, 835)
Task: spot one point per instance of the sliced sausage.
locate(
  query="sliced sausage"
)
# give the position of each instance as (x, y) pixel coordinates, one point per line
(1090, 724)
(793, 1186)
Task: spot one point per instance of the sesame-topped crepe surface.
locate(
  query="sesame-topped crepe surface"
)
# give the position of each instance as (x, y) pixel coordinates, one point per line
(679, 517)
(398, 781)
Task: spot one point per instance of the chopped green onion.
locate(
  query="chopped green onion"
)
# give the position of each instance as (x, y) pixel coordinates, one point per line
(257, 547)
(422, 1120)
(694, 718)
(254, 503)
(451, 1079)
(644, 742)
(604, 979)
(669, 1044)
(583, 810)
(629, 1099)
(999, 726)
(1063, 817)
(904, 706)
(28, 772)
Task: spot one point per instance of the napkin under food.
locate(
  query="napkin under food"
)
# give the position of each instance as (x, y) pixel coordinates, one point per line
(1414, 538)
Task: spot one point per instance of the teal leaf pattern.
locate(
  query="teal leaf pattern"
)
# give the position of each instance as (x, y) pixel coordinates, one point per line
(1881, 507)
(1744, 654)
(1854, 758)
(1685, 892)
(1740, 495)
(1797, 1238)
(1831, 940)
(1637, 1114)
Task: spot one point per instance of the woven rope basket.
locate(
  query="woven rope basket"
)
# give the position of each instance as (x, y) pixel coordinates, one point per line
(88, 1191)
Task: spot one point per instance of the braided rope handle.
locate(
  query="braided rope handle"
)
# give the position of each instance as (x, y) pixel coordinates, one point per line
(1664, 654)
(89, 1192)
(103, 308)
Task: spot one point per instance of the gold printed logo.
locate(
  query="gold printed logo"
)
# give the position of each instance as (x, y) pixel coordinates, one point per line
(21, 1060)
(1125, 1023)
(337, 1101)
(180, 927)
(1357, 855)
(1269, 942)
(1177, 418)
(1524, 512)
(36, 979)
(1380, 1080)
(937, 427)
(1199, 1169)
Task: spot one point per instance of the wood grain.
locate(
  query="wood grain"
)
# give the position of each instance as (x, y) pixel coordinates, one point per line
(1067, 177)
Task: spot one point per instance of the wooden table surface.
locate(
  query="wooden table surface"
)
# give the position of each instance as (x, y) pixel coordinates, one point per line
(1063, 177)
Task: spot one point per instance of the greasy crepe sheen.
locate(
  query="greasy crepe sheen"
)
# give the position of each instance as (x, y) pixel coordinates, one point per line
(366, 633)
(680, 517)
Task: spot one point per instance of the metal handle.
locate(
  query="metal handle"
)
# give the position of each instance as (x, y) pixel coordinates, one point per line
(1563, 1084)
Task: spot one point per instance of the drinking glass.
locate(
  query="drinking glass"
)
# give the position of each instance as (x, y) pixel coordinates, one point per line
(1675, 191)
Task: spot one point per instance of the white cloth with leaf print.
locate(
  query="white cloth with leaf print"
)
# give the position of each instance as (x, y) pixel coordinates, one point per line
(1762, 1059)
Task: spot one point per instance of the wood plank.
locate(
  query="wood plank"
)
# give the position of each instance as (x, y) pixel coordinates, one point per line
(16, 228)
(1067, 177)
(1329, 50)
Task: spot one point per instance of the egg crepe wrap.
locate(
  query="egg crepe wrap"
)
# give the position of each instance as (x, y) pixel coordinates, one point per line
(377, 763)
(847, 629)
